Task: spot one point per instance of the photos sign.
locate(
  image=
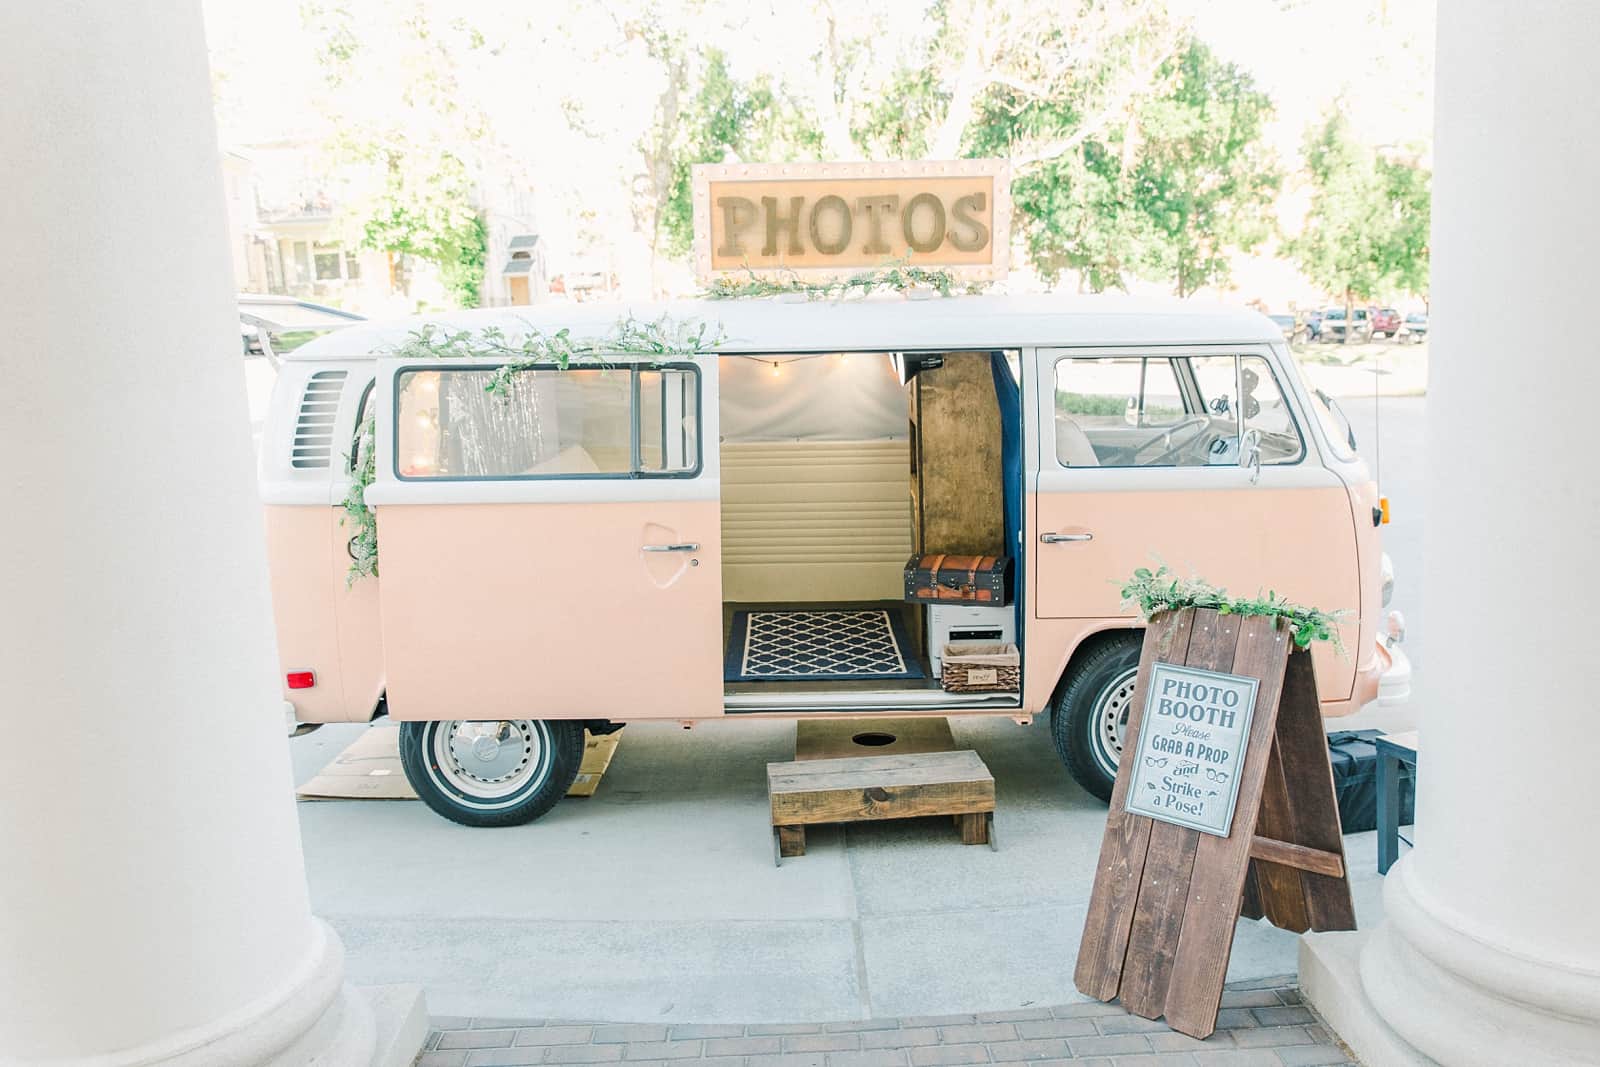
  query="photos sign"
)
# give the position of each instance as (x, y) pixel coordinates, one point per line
(837, 218)
(1191, 747)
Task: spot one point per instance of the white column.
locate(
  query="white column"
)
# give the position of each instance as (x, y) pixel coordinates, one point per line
(1490, 948)
(153, 903)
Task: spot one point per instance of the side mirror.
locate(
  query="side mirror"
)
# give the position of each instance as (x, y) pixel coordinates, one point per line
(1250, 454)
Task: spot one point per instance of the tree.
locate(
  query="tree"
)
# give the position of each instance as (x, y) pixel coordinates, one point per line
(1152, 167)
(728, 120)
(406, 156)
(1203, 185)
(1367, 227)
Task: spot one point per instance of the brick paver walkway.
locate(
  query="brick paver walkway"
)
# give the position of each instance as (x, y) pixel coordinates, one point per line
(1262, 1023)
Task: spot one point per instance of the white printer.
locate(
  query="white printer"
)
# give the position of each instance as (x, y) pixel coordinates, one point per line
(968, 622)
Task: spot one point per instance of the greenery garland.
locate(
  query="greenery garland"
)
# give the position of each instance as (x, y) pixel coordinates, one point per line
(364, 543)
(1154, 592)
(898, 275)
(665, 337)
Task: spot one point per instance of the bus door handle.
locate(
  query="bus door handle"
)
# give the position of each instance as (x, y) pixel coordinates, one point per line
(1058, 538)
(685, 546)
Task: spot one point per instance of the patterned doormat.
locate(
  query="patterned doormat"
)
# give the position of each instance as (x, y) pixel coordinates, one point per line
(818, 646)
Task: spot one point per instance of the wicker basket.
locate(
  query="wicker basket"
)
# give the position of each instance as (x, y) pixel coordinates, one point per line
(980, 667)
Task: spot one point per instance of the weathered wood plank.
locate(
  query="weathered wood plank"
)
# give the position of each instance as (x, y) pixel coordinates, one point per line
(791, 841)
(1283, 899)
(974, 828)
(957, 483)
(1104, 945)
(861, 771)
(882, 802)
(816, 739)
(1299, 857)
(1313, 804)
(1169, 861)
(1157, 918)
(1250, 903)
(1212, 908)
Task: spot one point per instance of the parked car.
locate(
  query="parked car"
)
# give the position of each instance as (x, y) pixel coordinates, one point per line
(1415, 328)
(1312, 320)
(274, 325)
(1385, 322)
(1287, 324)
(673, 497)
(1359, 326)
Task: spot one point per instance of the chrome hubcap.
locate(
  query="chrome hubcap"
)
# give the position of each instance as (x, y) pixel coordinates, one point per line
(1111, 720)
(488, 759)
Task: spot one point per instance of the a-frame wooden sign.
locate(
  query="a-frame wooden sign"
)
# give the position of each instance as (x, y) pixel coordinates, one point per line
(1168, 894)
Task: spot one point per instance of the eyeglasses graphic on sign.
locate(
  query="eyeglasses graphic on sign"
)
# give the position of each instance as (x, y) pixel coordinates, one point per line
(1191, 742)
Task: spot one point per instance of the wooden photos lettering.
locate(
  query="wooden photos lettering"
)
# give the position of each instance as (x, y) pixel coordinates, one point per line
(1191, 747)
(827, 219)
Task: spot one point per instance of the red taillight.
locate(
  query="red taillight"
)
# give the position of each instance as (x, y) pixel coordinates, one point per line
(301, 679)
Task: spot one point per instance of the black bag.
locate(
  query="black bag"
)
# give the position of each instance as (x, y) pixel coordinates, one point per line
(1354, 755)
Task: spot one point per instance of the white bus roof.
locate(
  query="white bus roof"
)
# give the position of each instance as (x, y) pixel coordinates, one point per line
(889, 324)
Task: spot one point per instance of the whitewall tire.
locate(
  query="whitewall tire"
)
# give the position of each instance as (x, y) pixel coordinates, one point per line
(501, 772)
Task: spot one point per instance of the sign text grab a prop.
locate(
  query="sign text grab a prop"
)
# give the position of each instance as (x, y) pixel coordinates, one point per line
(1191, 746)
(836, 218)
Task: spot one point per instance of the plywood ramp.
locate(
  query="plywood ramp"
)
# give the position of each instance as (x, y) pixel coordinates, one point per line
(369, 768)
(835, 738)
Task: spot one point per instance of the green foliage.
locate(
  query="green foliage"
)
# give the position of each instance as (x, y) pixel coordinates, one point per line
(1090, 404)
(726, 119)
(1367, 229)
(1166, 188)
(898, 276)
(412, 193)
(363, 469)
(433, 218)
(1203, 185)
(665, 337)
(895, 123)
(1154, 592)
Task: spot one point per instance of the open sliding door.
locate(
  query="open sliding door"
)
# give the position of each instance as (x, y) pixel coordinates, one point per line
(553, 551)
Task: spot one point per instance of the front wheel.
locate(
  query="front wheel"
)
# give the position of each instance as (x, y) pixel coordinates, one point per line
(491, 773)
(1089, 719)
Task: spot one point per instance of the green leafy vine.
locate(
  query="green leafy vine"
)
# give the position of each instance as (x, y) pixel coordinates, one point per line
(899, 276)
(1154, 592)
(364, 543)
(522, 351)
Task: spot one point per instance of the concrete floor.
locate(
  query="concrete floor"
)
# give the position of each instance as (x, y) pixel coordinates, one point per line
(657, 899)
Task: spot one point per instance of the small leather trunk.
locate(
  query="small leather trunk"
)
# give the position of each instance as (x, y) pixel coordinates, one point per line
(974, 579)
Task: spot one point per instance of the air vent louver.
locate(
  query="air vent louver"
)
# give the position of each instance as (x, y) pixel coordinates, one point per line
(313, 430)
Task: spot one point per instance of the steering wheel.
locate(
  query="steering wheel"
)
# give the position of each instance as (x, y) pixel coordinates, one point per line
(1178, 437)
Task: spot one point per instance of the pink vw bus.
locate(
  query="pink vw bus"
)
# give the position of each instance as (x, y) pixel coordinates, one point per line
(724, 533)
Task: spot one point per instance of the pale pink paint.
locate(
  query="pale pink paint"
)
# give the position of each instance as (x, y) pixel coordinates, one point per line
(552, 611)
(531, 610)
(323, 625)
(1300, 543)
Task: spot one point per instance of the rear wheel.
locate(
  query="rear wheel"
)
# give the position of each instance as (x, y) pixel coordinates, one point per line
(1089, 719)
(494, 772)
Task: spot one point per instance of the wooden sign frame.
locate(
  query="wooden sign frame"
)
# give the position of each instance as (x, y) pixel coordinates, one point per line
(847, 183)
(1166, 898)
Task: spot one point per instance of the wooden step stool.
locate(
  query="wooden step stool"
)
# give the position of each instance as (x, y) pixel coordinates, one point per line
(856, 788)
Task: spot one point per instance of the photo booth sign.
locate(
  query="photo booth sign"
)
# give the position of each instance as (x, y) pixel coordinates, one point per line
(1185, 853)
(1191, 746)
(826, 220)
